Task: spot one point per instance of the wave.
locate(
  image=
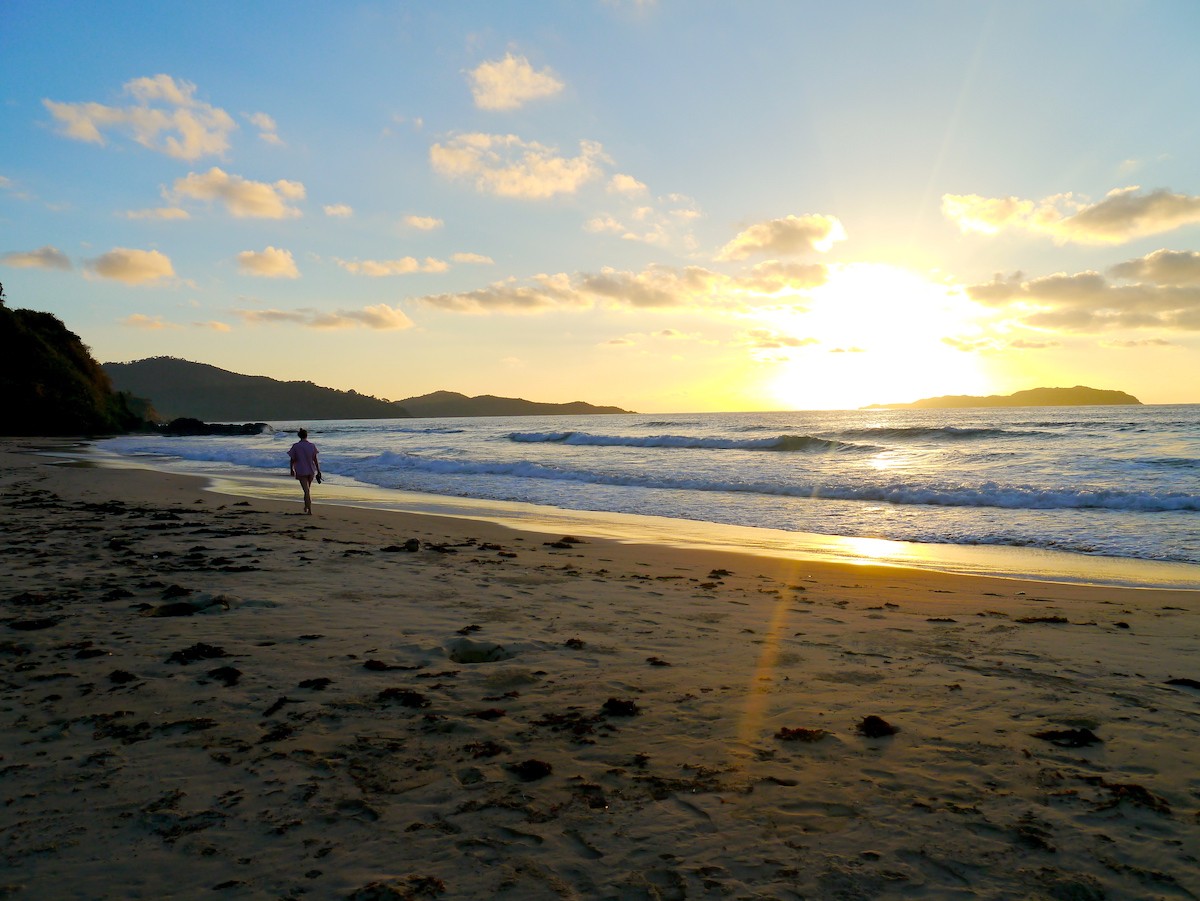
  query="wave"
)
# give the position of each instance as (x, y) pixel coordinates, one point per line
(777, 443)
(952, 433)
(388, 465)
(1170, 462)
(392, 469)
(384, 427)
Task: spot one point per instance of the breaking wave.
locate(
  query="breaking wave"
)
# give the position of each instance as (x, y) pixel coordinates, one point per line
(777, 443)
(384, 470)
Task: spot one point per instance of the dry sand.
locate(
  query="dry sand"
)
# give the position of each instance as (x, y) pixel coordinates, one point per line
(626, 736)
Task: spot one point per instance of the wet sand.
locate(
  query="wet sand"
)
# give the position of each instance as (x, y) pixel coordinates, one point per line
(206, 697)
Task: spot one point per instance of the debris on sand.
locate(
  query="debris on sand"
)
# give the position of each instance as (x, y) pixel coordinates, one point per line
(804, 735)
(1069, 738)
(876, 727)
(530, 770)
(616, 707)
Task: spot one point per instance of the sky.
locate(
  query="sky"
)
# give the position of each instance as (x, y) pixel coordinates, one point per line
(668, 206)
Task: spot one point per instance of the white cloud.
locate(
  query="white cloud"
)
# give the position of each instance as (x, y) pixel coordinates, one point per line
(266, 128)
(379, 317)
(604, 224)
(340, 210)
(7, 184)
(424, 223)
(786, 237)
(506, 166)
(509, 83)
(1088, 302)
(766, 339)
(772, 276)
(402, 266)
(650, 226)
(1022, 344)
(165, 117)
(1163, 267)
(471, 258)
(546, 292)
(971, 345)
(275, 317)
(666, 334)
(243, 198)
(625, 184)
(212, 324)
(988, 215)
(43, 258)
(162, 212)
(131, 266)
(1138, 342)
(271, 263)
(656, 235)
(656, 287)
(417, 123)
(1121, 216)
(149, 323)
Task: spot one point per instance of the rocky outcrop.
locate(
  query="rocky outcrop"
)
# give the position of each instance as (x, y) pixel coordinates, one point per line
(185, 426)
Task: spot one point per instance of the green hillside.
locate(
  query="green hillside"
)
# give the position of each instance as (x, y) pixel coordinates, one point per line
(51, 385)
(179, 388)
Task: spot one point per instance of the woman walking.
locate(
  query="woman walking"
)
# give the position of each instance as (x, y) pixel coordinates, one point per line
(304, 466)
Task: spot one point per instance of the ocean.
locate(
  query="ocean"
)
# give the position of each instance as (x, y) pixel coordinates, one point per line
(1116, 482)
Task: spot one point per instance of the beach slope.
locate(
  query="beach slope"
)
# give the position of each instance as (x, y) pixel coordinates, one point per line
(205, 697)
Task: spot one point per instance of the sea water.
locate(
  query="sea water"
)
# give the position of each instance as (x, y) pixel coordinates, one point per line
(1112, 481)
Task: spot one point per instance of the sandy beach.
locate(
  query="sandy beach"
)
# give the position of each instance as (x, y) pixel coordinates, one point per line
(205, 697)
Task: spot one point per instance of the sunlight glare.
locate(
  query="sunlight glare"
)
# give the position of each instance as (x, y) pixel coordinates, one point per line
(880, 332)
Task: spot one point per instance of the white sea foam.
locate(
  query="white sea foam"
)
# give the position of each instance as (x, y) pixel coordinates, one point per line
(778, 443)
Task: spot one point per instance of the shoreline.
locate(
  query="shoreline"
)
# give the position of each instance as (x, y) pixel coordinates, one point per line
(207, 695)
(1000, 561)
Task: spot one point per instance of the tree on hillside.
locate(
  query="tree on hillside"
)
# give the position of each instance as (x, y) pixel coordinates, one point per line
(50, 383)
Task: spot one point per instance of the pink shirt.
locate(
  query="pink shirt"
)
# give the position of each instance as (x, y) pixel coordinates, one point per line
(303, 455)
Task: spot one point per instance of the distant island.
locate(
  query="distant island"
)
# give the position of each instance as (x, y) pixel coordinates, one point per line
(180, 388)
(1079, 396)
(450, 403)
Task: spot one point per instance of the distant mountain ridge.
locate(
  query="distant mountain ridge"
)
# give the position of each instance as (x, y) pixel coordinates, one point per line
(1079, 396)
(181, 388)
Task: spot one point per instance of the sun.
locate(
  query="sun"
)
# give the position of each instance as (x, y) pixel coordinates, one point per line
(878, 334)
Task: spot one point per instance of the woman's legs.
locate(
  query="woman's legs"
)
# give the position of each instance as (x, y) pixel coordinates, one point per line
(306, 486)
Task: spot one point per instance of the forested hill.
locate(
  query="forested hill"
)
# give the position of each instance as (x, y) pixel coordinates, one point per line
(182, 388)
(1079, 396)
(200, 391)
(50, 384)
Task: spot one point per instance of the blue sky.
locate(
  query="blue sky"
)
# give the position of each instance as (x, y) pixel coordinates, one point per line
(662, 205)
